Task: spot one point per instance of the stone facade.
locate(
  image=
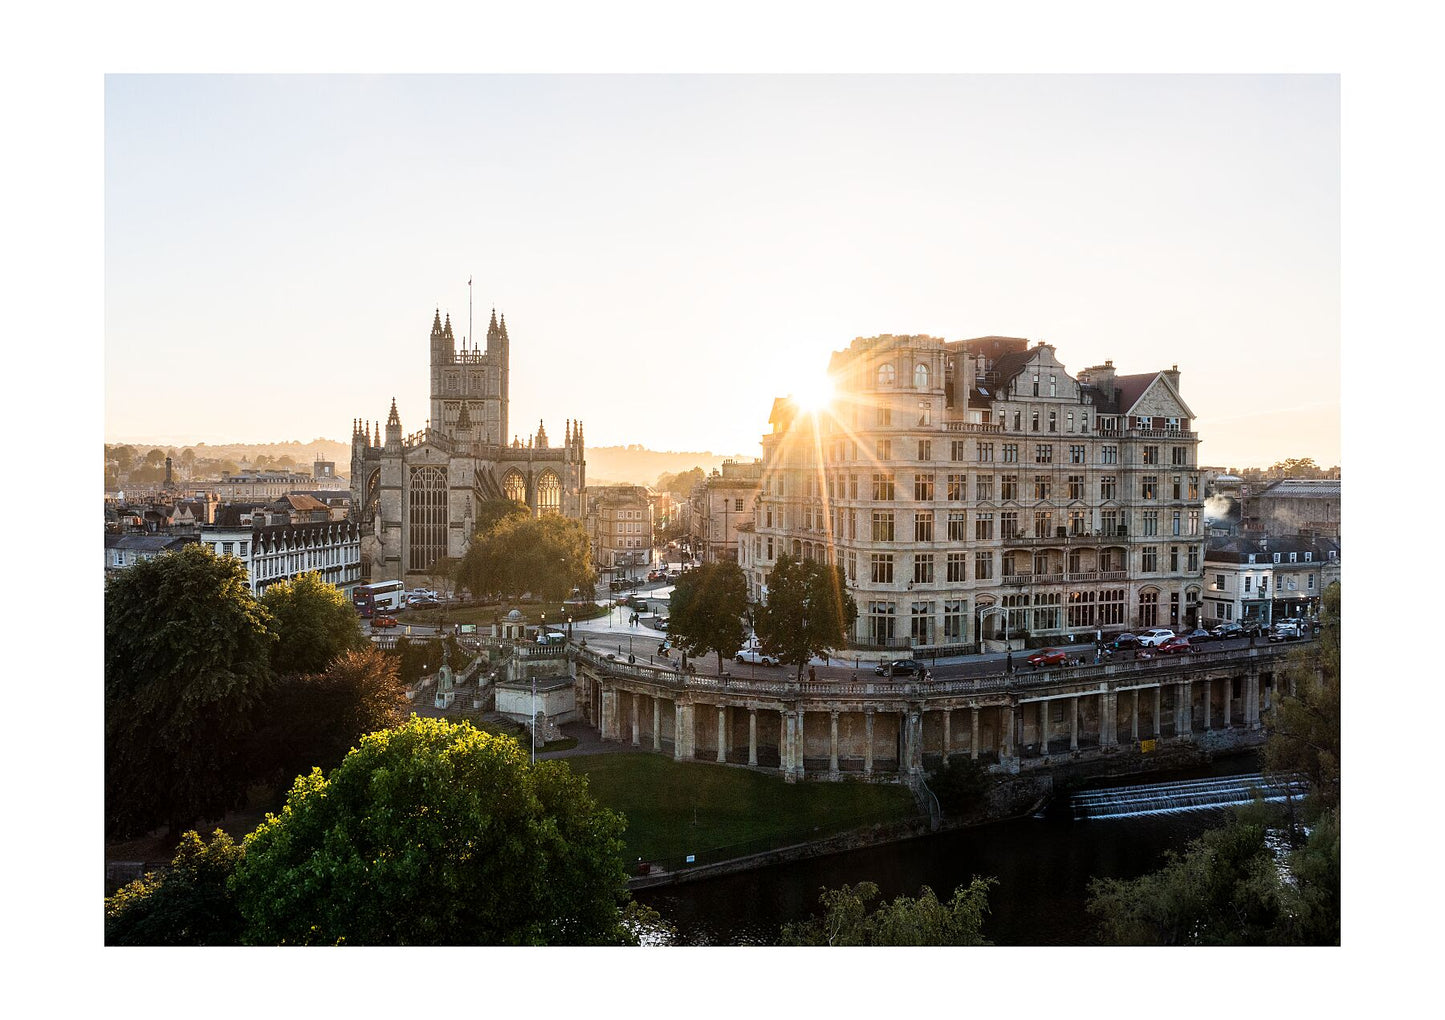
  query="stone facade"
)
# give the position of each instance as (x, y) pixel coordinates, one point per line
(415, 495)
(1259, 580)
(975, 488)
(620, 525)
(721, 505)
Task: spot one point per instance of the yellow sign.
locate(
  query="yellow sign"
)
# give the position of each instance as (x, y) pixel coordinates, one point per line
(1146, 745)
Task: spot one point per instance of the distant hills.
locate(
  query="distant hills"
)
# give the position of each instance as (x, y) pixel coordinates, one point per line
(633, 464)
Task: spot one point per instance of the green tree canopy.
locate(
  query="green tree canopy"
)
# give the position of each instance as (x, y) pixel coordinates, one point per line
(313, 621)
(187, 651)
(924, 921)
(708, 610)
(546, 556)
(1304, 724)
(314, 719)
(436, 834)
(187, 904)
(809, 611)
(491, 512)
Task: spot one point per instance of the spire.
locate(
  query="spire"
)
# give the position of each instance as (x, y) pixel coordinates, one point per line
(436, 323)
(393, 418)
(447, 329)
(492, 334)
(567, 437)
(503, 327)
(376, 436)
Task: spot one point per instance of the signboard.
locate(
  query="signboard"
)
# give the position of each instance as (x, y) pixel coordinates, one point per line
(1147, 745)
(691, 859)
(469, 628)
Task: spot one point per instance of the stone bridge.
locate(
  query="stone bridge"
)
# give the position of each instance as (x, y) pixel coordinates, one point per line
(889, 730)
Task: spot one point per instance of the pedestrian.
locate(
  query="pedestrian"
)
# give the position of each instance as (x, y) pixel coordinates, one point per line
(812, 674)
(1009, 662)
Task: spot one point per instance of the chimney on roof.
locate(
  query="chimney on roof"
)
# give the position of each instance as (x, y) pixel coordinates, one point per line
(1173, 376)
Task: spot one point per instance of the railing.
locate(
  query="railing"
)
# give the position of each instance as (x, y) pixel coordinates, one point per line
(971, 426)
(1148, 434)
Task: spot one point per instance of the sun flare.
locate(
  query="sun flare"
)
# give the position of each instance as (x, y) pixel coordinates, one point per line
(813, 394)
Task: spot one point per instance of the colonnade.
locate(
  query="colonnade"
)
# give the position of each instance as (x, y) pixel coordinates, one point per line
(878, 733)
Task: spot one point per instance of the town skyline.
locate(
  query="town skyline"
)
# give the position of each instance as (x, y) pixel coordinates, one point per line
(702, 244)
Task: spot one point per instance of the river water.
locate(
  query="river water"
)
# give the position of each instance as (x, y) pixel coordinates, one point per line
(1043, 865)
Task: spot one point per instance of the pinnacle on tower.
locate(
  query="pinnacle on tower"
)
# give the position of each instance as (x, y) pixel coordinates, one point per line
(492, 333)
(376, 436)
(393, 418)
(464, 419)
(503, 326)
(436, 322)
(447, 329)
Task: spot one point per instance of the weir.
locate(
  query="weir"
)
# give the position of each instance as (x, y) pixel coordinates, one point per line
(1188, 795)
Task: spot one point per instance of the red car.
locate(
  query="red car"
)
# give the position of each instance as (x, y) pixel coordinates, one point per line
(1176, 646)
(383, 621)
(1048, 657)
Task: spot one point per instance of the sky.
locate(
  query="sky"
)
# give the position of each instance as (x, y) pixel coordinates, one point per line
(673, 252)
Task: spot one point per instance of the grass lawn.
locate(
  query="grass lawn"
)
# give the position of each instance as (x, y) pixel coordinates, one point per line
(678, 808)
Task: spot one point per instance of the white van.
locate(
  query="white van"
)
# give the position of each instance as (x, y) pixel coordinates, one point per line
(1154, 638)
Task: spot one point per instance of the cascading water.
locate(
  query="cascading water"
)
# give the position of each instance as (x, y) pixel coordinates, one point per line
(1189, 795)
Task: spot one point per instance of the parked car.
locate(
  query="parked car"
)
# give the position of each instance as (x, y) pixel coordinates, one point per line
(1284, 631)
(1124, 641)
(1154, 638)
(657, 575)
(901, 667)
(756, 657)
(1175, 646)
(1199, 635)
(551, 637)
(382, 622)
(422, 602)
(1048, 657)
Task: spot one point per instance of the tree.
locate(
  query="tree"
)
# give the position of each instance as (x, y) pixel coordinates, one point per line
(155, 459)
(1304, 724)
(924, 921)
(188, 904)
(708, 609)
(491, 512)
(124, 457)
(187, 650)
(681, 484)
(546, 556)
(959, 785)
(436, 834)
(188, 460)
(313, 621)
(809, 611)
(314, 719)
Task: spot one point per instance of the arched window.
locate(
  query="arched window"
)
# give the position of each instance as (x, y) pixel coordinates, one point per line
(549, 494)
(885, 374)
(1149, 608)
(427, 505)
(920, 376)
(514, 487)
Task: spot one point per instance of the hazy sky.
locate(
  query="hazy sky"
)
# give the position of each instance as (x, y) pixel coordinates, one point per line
(673, 252)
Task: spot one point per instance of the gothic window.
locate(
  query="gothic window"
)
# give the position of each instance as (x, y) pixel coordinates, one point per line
(513, 487)
(427, 506)
(549, 494)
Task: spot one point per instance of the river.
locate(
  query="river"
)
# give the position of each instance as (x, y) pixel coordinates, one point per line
(1043, 865)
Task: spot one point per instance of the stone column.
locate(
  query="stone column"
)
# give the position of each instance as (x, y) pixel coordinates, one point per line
(1251, 700)
(684, 742)
(752, 736)
(833, 744)
(783, 740)
(1008, 731)
(868, 738)
(1074, 723)
(636, 720)
(1208, 708)
(1044, 728)
(912, 720)
(656, 724)
(973, 736)
(1158, 708)
(1108, 719)
(1225, 691)
(947, 732)
(722, 717)
(1134, 719)
(1183, 714)
(609, 715)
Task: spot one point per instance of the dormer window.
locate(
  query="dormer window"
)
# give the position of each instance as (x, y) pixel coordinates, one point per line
(1276, 557)
(1309, 556)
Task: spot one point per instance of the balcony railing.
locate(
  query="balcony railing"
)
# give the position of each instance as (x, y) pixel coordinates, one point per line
(1066, 538)
(970, 426)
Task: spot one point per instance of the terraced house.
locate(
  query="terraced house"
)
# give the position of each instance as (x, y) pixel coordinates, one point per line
(974, 489)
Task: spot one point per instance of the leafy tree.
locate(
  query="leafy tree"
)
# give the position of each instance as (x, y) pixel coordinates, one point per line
(155, 459)
(314, 719)
(188, 459)
(959, 785)
(1304, 726)
(681, 483)
(124, 457)
(924, 921)
(187, 649)
(708, 610)
(1296, 467)
(492, 512)
(313, 621)
(187, 904)
(808, 612)
(436, 834)
(442, 573)
(546, 556)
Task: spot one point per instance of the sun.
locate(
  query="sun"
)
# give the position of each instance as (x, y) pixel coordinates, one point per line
(815, 394)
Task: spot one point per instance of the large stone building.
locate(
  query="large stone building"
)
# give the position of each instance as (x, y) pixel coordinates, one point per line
(1258, 580)
(722, 504)
(620, 525)
(971, 486)
(415, 495)
(1293, 506)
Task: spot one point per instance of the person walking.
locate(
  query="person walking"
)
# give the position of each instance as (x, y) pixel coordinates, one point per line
(1009, 662)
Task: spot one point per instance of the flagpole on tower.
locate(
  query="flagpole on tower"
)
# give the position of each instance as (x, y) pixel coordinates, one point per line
(472, 337)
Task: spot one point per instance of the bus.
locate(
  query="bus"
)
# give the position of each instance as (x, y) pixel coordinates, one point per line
(383, 596)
